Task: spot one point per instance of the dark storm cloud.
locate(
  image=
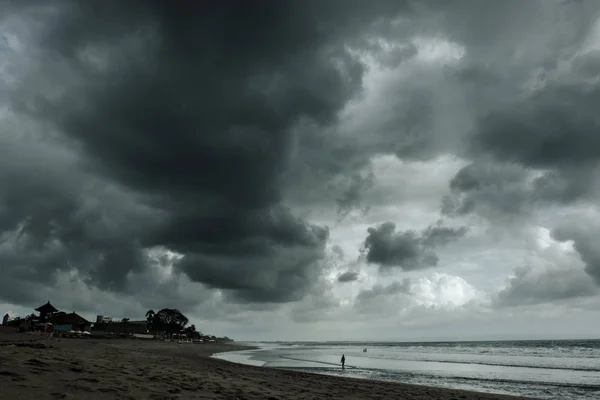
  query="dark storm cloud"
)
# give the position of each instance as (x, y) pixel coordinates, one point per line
(500, 189)
(409, 250)
(438, 235)
(348, 276)
(484, 186)
(555, 127)
(191, 126)
(553, 131)
(584, 234)
(553, 273)
(567, 185)
(54, 218)
(528, 287)
(534, 112)
(491, 105)
(381, 290)
(351, 197)
(188, 111)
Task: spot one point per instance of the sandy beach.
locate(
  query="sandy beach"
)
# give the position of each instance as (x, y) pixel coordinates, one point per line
(34, 368)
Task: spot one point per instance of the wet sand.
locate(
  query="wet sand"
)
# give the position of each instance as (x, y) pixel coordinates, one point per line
(34, 368)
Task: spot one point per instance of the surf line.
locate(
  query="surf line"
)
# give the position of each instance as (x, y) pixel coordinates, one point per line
(316, 362)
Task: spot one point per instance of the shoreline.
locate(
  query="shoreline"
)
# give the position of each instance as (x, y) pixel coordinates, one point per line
(147, 369)
(407, 388)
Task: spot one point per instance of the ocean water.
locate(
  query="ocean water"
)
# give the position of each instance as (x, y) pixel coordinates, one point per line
(544, 369)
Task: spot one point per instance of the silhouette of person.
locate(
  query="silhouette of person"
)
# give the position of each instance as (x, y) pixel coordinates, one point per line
(343, 361)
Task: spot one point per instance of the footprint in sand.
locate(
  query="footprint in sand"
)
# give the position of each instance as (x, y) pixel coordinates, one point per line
(80, 388)
(107, 390)
(15, 377)
(36, 362)
(90, 380)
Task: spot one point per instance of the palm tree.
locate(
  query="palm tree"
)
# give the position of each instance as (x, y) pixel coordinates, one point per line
(150, 318)
(150, 315)
(190, 331)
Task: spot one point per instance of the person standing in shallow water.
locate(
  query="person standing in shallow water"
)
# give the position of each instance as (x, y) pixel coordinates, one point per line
(343, 361)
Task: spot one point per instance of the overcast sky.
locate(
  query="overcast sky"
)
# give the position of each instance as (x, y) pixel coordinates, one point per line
(305, 170)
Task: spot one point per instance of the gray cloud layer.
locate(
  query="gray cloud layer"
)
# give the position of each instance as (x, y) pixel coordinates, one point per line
(348, 276)
(408, 250)
(142, 125)
(584, 235)
(191, 109)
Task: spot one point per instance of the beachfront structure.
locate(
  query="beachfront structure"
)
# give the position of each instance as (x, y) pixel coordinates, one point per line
(46, 311)
(102, 319)
(74, 320)
(62, 328)
(5, 319)
(120, 328)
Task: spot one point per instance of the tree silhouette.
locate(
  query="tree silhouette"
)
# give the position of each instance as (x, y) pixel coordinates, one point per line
(169, 320)
(150, 315)
(191, 332)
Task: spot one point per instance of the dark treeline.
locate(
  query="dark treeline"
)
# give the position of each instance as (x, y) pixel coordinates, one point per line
(171, 321)
(166, 322)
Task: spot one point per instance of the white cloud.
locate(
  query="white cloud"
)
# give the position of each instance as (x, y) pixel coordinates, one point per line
(441, 290)
(438, 51)
(552, 272)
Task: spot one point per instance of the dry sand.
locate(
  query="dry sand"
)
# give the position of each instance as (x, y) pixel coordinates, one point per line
(136, 369)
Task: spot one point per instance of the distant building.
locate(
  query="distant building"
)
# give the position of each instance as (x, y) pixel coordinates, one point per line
(46, 311)
(63, 327)
(126, 328)
(5, 319)
(120, 328)
(76, 321)
(141, 322)
(101, 319)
